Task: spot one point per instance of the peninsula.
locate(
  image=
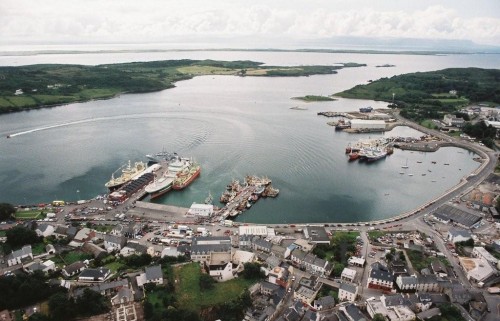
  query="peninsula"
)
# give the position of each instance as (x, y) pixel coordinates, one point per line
(37, 86)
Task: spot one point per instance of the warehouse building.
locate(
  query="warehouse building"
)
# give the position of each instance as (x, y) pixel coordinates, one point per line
(367, 124)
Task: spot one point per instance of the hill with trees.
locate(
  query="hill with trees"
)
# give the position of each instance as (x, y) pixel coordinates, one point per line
(430, 95)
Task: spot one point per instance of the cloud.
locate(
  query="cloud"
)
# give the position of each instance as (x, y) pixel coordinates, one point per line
(157, 21)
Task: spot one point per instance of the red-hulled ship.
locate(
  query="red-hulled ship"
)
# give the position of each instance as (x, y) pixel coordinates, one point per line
(185, 177)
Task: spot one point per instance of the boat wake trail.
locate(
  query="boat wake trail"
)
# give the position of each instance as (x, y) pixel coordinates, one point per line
(52, 126)
(83, 121)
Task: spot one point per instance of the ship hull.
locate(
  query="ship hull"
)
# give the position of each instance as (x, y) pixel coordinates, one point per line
(187, 181)
(160, 192)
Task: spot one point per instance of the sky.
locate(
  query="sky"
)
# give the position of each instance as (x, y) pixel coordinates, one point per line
(238, 23)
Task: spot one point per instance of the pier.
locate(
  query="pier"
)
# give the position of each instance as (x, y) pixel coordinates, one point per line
(239, 198)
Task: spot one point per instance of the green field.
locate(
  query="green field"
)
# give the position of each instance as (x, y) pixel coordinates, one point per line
(24, 215)
(189, 295)
(71, 257)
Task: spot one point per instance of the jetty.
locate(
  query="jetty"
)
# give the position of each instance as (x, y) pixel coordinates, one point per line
(240, 197)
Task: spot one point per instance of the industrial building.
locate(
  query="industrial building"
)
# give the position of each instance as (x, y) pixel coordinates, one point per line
(367, 124)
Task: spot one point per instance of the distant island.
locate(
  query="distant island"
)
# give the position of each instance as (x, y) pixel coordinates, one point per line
(311, 98)
(46, 85)
(385, 66)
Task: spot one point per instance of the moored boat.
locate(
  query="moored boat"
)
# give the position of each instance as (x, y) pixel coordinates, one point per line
(160, 186)
(128, 173)
(187, 176)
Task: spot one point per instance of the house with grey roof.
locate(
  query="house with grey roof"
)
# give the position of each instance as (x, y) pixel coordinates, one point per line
(152, 274)
(438, 268)
(94, 275)
(380, 277)
(73, 269)
(38, 265)
(424, 315)
(21, 256)
(245, 241)
(348, 292)
(297, 256)
(94, 250)
(133, 247)
(106, 288)
(324, 303)
(113, 242)
(455, 235)
(44, 229)
(268, 288)
(310, 315)
(306, 294)
(60, 231)
(278, 251)
(316, 235)
(123, 295)
(259, 244)
(458, 293)
(353, 313)
(273, 261)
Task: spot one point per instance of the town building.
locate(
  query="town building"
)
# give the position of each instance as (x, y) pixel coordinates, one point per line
(348, 274)
(316, 235)
(203, 247)
(453, 121)
(481, 252)
(455, 235)
(113, 242)
(348, 292)
(201, 210)
(380, 277)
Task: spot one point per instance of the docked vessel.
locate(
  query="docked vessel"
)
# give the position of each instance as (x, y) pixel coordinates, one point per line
(129, 173)
(375, 155)
(160, 186)
(186, 176)
(160, 156)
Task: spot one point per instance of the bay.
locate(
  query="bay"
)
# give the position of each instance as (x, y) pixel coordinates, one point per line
(233, 126)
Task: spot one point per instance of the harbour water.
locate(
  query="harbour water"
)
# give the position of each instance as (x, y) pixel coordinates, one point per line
(232, 126)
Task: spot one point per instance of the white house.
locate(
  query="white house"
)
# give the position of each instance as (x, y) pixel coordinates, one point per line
(222, 272)
(45, 230)
(348, 292)
(152, 274)
(113, 242)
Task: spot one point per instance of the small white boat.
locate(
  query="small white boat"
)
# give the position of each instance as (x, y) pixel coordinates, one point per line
(410, 174)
